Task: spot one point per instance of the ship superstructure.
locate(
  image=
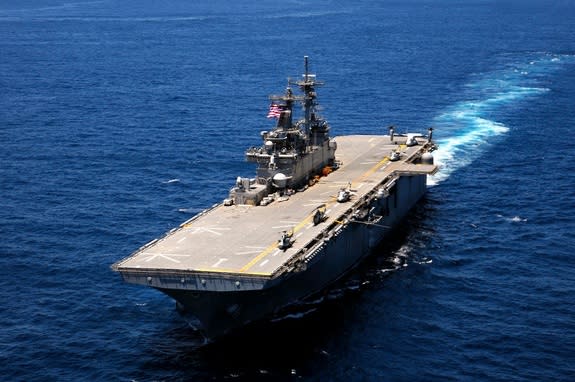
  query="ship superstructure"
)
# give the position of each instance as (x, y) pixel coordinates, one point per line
(306, 219)
(292, 154)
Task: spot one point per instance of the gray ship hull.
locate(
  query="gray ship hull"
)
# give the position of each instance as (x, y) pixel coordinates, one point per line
(220, 313)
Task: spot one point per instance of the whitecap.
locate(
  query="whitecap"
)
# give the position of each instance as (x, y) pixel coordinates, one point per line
(307, 14)
(514, 219)
(189, 210)
(292, 316)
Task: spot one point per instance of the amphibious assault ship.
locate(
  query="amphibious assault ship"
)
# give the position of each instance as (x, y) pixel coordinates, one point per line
(316, 207)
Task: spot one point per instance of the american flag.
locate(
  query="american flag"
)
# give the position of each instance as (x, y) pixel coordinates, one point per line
(275, 111)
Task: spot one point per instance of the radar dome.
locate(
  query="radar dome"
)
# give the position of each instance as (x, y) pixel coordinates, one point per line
(280, 180)
(427, 158)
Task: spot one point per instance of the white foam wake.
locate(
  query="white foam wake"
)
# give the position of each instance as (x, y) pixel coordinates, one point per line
(470, 124)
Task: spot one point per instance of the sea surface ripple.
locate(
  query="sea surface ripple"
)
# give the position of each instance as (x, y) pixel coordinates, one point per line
(121, 119)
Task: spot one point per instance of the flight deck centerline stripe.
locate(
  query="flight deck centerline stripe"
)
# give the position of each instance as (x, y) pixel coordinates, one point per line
(373, 169)
(302, 224)
(273, 246)
(263, 254)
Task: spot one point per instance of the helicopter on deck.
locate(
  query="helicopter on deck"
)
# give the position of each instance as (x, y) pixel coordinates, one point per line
(345, 194)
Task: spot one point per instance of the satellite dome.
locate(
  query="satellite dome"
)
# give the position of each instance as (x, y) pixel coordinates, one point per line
(427, 158)
(280, 180)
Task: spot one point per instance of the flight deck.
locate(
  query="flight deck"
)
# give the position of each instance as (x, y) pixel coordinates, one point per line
(243, 239)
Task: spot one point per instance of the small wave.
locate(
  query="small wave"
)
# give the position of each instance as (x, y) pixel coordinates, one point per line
(514, 219)
(404, 251)
(64, 6)
(393, 264)
(48, 14)
(159, 19)
(303, 15)
(191, 211)
(175, 180)
(293, 316)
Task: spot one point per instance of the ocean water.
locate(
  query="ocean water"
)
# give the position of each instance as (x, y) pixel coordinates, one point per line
(121, 119)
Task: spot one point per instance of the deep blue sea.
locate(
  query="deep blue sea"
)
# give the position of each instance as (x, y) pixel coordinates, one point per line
(120, 119)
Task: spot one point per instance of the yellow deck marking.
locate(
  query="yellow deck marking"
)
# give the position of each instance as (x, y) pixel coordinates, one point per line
(306, 221)
(376, 167)
(273, 246)
(264, 253)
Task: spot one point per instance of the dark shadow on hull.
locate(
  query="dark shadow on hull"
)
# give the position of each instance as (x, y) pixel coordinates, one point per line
(321, 311)
(287, 346)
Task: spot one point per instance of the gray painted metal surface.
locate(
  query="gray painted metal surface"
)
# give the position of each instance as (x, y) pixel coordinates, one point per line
(243, 239)
(316, 208)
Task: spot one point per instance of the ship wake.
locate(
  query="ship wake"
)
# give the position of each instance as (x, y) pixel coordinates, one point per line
(470, 125)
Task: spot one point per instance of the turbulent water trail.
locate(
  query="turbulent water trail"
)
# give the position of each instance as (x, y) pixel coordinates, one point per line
(467, 127)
